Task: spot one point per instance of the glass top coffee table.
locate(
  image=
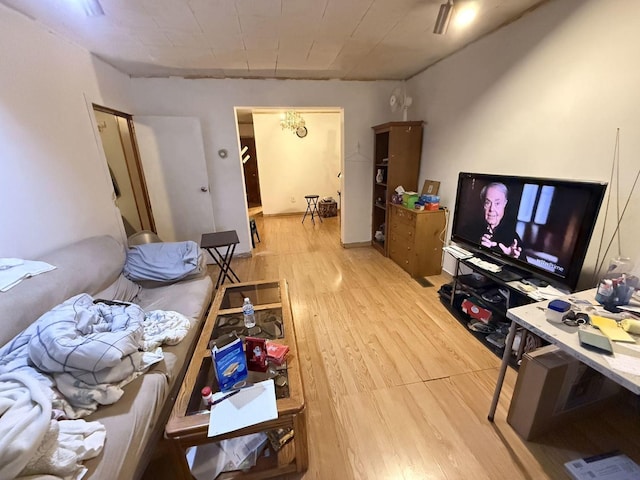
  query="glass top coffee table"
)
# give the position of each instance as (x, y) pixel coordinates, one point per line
(188, 423)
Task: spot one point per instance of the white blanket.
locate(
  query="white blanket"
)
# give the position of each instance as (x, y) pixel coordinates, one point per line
(14, 270)
(25, 412)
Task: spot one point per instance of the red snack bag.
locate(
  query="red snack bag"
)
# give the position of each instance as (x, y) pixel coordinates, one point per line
(256, 353)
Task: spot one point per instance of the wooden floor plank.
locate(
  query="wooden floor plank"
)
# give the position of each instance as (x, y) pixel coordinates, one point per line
(396, 387)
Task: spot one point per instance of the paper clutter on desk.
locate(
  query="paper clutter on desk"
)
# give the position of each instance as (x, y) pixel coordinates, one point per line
(611, 329)
(631, 325)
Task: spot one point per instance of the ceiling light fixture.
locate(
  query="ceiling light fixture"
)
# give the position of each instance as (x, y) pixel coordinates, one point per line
(444, 16)
(291, 121)
(92, 8)
(465, 16)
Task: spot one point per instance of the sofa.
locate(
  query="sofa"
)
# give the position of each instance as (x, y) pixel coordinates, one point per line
(136, 421)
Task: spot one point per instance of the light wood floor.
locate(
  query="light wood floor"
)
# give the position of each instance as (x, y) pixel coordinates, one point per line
(396, 388)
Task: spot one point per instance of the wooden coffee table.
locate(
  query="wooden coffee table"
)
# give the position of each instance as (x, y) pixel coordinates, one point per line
(188, 424)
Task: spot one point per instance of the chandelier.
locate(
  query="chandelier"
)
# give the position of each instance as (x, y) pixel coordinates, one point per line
(291, 121)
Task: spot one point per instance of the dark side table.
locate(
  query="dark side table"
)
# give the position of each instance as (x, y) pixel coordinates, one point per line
(212, 243)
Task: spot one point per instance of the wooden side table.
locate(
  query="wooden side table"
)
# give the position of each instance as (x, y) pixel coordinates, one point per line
(212, 242)
(188, 425)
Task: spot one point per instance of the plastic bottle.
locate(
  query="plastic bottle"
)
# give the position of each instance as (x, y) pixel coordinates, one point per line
(207, 395)
(249, 315)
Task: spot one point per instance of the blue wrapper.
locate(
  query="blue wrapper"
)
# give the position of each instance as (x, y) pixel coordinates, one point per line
(230, 364)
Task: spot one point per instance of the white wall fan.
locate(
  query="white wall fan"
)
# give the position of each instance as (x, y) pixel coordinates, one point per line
(399, 100)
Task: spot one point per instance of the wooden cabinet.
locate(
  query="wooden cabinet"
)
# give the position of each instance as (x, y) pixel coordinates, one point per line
(415, 240)
(398, 147)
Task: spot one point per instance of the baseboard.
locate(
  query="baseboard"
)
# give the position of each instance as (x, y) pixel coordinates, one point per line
(356, 244)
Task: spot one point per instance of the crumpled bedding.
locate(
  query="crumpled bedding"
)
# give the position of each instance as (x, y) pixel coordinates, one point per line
(87, 352)
(32, 443)
(73, 358)
(25, 412)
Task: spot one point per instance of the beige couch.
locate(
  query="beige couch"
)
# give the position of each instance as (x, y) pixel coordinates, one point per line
(136, 421)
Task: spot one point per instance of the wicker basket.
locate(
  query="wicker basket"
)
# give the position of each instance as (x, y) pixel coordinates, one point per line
(327, 208)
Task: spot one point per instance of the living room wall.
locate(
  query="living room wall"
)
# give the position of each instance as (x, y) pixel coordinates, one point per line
(364, 103)
(542, 97)
(54, 181)
(291, 167)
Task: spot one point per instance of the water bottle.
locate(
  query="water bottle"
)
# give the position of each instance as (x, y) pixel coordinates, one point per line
(249, 316)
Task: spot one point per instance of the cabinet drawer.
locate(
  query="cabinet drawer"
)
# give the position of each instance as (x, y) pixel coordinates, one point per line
(398, 254)
(402, 216)
(405, 233)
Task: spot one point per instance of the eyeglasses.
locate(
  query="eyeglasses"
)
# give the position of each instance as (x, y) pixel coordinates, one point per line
(573, 319)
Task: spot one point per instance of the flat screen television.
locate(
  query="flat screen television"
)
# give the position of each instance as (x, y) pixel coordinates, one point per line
(540, 225)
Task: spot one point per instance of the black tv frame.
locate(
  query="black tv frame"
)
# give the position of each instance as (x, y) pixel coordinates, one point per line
(597, 192)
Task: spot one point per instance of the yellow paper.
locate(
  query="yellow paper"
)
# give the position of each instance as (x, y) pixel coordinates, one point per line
(610, 328)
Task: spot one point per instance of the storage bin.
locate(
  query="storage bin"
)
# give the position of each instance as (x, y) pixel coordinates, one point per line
(327, 208)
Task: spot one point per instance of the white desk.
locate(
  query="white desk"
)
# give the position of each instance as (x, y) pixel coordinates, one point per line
(532, 318)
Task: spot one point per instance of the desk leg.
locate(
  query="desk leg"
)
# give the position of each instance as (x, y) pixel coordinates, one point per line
(179, 459)
(503, 369)
(224, 262)
(227, 264)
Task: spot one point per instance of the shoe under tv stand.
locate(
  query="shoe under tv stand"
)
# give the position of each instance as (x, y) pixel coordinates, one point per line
(469, 282)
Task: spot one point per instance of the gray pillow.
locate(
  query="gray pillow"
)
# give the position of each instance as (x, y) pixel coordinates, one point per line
(163, 262)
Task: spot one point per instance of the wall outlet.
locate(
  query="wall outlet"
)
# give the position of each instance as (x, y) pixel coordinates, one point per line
(293, 199)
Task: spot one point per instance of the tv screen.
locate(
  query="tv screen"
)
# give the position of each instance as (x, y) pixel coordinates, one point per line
(540, 225)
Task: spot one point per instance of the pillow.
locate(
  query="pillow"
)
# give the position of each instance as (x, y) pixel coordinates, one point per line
(199, 271)
(163, 262)
(122, 289)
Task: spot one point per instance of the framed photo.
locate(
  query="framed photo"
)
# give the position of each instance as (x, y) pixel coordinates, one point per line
(430, 187)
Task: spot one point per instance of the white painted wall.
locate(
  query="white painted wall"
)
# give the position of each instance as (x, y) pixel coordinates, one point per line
(364, 103)
(541, 97)
(291, 167)
(54, 183)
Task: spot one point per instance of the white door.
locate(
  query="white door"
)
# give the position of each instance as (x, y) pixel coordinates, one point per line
(172, 155)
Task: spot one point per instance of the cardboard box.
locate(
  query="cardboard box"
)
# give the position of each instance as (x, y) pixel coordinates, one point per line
(430, 187)
(553, 388)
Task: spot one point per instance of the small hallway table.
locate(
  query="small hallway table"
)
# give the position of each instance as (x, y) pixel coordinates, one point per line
(212, 243)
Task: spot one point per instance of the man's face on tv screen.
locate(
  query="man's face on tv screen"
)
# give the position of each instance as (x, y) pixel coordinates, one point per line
(495, 202)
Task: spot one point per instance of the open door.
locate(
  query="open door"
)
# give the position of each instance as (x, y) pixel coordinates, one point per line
(250, 166)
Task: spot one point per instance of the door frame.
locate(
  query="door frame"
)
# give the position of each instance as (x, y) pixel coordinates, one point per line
(134, 168)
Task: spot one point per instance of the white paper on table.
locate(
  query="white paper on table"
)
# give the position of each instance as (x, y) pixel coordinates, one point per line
(624, 363)
(252, 405)
(630, 308)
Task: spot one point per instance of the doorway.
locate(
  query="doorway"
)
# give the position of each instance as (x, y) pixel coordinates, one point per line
(123, 159)
(291, 163)
(250, 166)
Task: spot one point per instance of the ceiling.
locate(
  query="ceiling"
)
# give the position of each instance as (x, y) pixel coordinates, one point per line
(310, 39)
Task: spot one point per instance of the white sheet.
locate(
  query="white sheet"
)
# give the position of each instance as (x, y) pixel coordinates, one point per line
(25, 412)
(13, 272)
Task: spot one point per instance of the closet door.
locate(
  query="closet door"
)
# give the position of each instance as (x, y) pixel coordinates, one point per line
(172, 155)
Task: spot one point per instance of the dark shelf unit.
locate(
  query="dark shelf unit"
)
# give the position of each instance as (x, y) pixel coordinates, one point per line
(462, 288)
(397, 152)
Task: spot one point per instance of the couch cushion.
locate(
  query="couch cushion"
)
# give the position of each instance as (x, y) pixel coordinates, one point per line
(88, 266)
(188, 297)
(129, 423)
